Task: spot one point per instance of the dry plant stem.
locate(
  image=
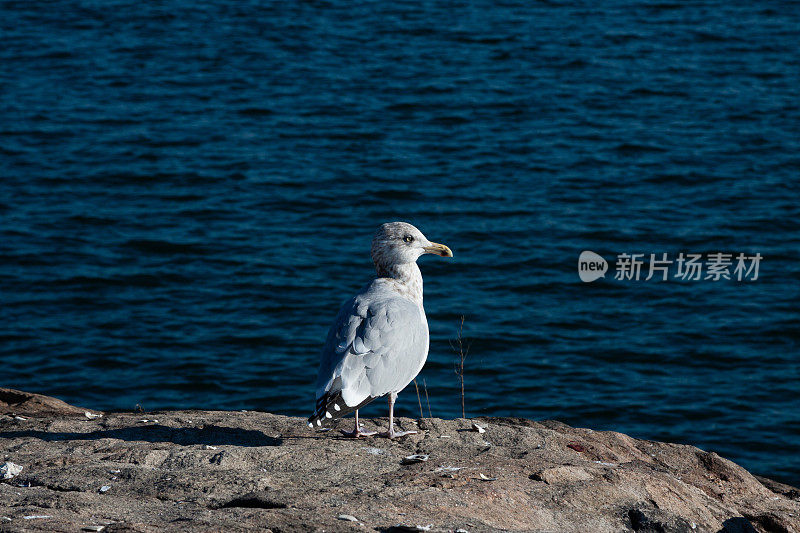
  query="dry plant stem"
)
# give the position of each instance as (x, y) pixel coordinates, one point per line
(462, 355)
(425, 385)
(419, 401)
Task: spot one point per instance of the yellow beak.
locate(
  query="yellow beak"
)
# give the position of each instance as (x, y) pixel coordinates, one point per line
(438, 249)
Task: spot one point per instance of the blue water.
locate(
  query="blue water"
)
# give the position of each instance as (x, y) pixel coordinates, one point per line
(189, 191)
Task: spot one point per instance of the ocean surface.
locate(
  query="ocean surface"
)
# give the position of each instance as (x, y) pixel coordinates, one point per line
(188, 191)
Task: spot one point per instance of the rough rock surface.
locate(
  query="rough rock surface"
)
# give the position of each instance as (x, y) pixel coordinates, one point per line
(240, 471)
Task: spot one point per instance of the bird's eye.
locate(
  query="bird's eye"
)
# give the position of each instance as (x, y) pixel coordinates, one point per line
(408, 238)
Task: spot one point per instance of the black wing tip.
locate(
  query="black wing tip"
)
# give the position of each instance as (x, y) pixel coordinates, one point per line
(332, 407)
(329, 407)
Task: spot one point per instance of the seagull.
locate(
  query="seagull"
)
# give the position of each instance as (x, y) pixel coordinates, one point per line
(379, 340)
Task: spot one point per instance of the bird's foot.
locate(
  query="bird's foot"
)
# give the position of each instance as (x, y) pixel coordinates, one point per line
(392, 434)
(358, 433)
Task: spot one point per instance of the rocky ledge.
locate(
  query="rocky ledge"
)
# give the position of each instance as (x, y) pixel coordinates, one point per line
(242, 471)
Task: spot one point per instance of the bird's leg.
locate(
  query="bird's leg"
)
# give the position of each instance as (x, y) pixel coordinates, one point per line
(358, 431)
(392, 434)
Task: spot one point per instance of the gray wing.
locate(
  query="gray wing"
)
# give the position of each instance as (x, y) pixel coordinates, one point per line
(377, 345)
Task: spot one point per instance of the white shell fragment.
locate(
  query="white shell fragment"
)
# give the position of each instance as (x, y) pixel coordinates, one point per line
(35, 516)
(347, 517)
(93, 528)
(8, 470)
(20, 418)
(92, 416)
(479, 429)
(375, 451)
(105, 488)
(607, 464)
(416, 458)
(487, 478)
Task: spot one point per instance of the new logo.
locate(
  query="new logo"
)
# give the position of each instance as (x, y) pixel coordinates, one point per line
(591, 266)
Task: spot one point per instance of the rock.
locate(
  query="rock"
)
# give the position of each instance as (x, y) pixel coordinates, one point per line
(562, 474)
(30, 404)
(780, 488)
(278, 475)
(8, 470)
(347, 518)
(657, 521)
(416, 458)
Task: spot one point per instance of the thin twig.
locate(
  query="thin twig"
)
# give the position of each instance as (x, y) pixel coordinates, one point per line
(462, 355)
(418, 399)
(425, 385)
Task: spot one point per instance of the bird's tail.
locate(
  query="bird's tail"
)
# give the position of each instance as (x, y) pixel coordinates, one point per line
(331, 406)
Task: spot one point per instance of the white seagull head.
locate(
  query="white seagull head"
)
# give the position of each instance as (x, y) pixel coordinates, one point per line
(397, 243)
